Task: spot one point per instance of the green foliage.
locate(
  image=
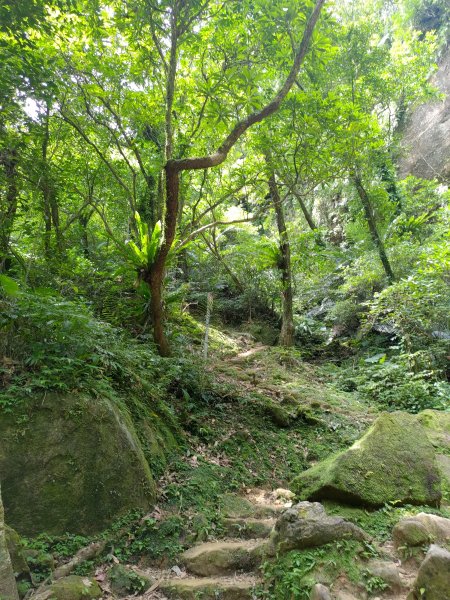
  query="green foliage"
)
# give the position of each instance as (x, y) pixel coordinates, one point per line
(49, 343)
(393, 384)
(290, 577)
(143, 255)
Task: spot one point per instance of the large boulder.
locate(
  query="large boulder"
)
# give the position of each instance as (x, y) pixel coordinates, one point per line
(8, 589)
(433, 579)
(72, 463)
(306, 525)
(421, 529)
(393, 462)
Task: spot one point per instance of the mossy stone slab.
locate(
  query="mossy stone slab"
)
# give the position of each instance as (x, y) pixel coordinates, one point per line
(72, 587)
(393, 462)
(209, 588)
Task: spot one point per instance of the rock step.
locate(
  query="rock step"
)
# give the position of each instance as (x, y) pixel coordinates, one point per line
(248, 528)
(240, 508)
(210, 588)
(223, 558)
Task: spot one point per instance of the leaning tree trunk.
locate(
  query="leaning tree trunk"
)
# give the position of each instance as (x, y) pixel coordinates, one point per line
(368, 212)
(287, 334)
(8, 588)
(174, 167)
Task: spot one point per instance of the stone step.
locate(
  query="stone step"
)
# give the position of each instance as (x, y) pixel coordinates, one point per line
(210, 588)
(248, 528)
(222, 558)
(237, 507)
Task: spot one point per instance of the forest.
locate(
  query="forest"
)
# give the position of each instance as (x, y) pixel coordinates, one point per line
(224, 299)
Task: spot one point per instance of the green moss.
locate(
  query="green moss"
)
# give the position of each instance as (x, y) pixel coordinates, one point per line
(73, 465)
(19, 564)
(74, 588)
(392, 462)
(437, 428)
(125, 581)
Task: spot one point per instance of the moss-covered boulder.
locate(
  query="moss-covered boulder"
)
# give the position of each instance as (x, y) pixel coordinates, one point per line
(8, 589)
(72, 463)
(421, 529)
(393, 462)
(70, 588)
(433, 579)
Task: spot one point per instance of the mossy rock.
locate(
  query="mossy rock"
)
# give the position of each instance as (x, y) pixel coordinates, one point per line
(8, 589)
(71, 463)
(73, 587)
(393, 462)
(18, 561)
(38, 561)
(210, 588)
(279, 416)
(124, 580)
(433, 578)
(437, 428)
(234, 506)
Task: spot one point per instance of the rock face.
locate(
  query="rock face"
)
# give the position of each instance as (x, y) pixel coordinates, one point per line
(306, 525)
(421, 529)
(426, 141)
(433, 579)
(8, 590)
(73, 464)
(393, 461)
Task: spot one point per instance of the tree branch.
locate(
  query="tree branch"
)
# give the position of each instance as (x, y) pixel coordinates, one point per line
(218, 157)
(194, 234)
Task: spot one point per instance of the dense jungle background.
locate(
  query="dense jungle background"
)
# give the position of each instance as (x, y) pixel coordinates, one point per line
(224, 299)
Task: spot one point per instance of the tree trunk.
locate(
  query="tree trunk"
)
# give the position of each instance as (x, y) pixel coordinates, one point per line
(50, 204)
(368, 212)
(8, 588)
(9, 160)
(173, 168)
(309, 219)
(155, 283)
(287, 335)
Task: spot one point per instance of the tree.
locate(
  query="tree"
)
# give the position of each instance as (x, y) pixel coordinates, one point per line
(174, 167)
